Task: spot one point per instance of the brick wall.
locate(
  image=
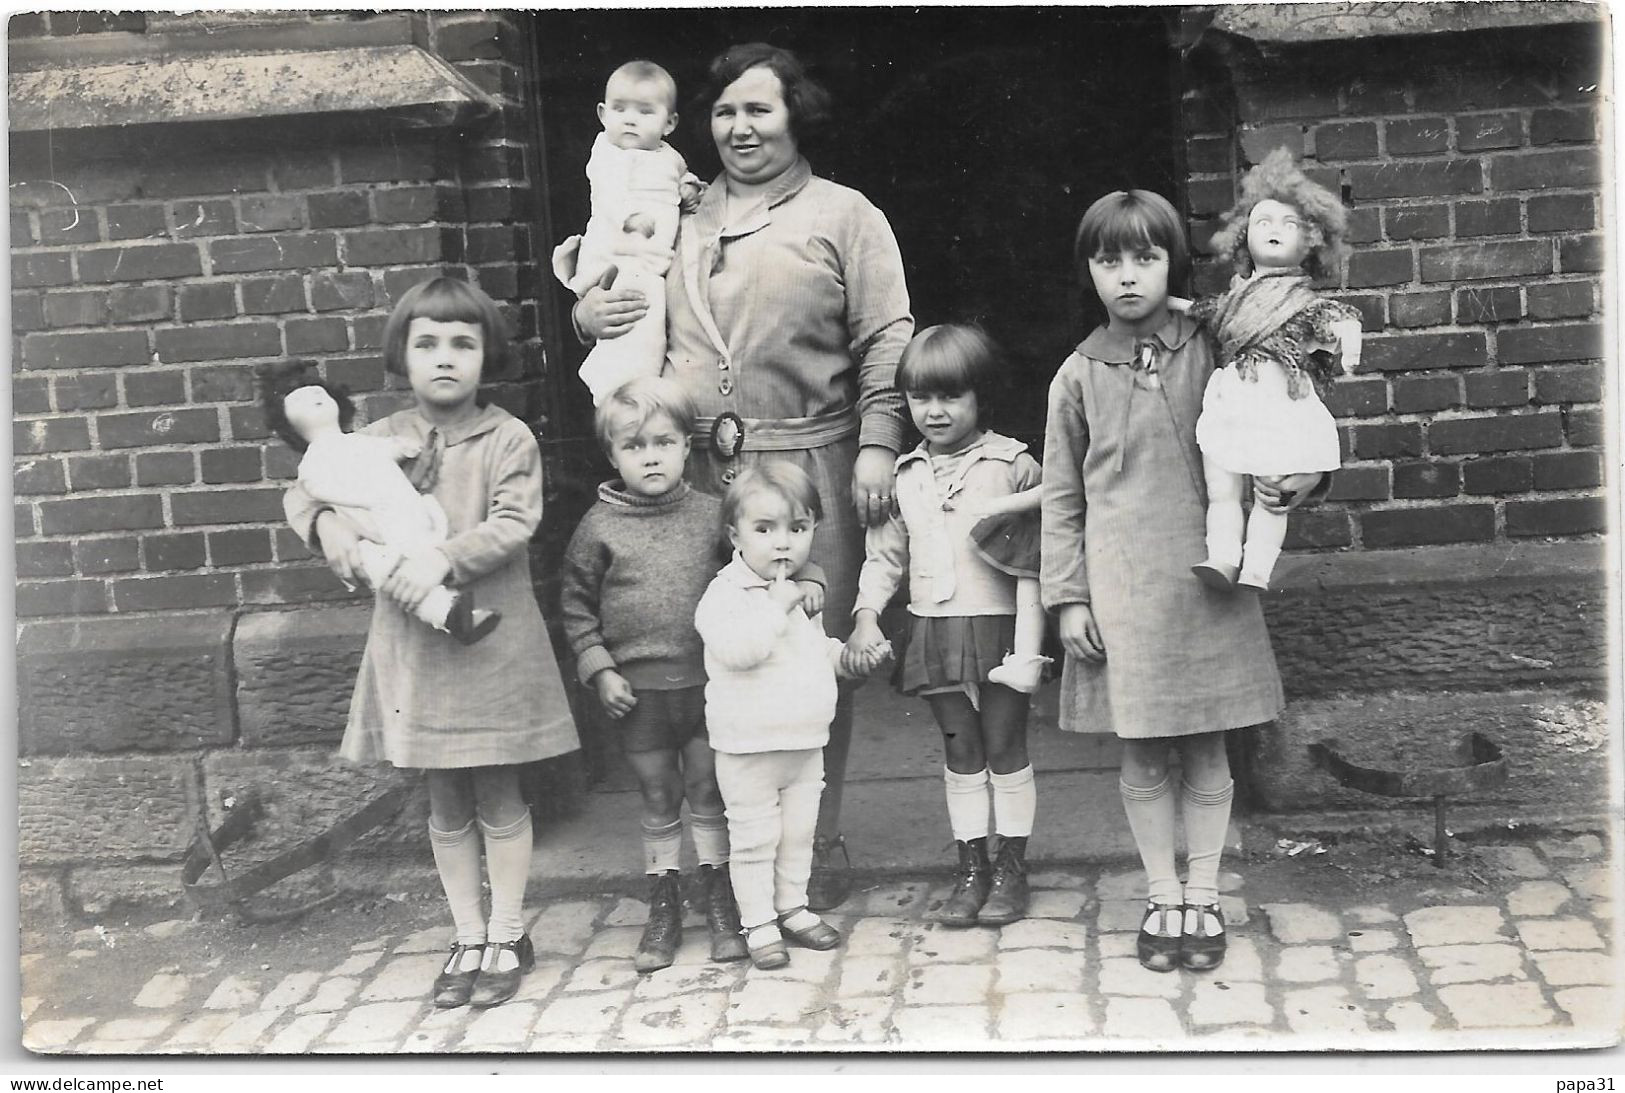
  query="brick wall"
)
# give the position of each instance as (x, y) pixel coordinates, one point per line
(1472, 168)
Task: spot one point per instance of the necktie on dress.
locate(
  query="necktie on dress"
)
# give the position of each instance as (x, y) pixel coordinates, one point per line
(425, 471)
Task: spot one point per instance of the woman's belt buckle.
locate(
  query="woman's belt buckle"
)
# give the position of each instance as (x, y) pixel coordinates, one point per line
(728, 435)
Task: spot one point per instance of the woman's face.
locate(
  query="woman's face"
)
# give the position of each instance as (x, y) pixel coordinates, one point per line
(751, 127)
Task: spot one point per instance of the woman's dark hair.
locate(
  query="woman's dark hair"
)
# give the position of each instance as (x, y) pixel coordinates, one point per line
(278, 381)
(950, 359)
(1129, 220)
(448, 300)
(805, 99)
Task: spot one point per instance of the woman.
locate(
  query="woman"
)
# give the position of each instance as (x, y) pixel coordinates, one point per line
(786, 315)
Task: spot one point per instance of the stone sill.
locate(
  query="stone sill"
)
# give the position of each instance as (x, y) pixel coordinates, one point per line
(1304, 24)
(1443, 565)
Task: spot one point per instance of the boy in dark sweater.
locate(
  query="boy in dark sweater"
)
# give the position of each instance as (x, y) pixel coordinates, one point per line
(634, 572)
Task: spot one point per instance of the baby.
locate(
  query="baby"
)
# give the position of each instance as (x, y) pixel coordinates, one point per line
(639, 183)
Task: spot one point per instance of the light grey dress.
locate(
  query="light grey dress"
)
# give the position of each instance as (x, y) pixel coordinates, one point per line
(1124, 507)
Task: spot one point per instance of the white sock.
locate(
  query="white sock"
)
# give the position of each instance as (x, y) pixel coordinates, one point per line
(1207, 818)
(800, 919)
(710, 838)
(662, 847)
(1015, 800)
(1151, 814)
(967, 804)
(457, 860)
(507, 859)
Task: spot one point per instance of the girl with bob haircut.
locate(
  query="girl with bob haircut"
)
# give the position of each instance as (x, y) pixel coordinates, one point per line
(448, 300)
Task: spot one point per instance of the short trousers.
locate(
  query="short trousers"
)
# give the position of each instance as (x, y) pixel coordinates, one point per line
(663, 720)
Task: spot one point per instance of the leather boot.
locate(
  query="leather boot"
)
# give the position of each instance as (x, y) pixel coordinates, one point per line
(658, 946)
(722, 913)
(1007, 896)
(970, 885)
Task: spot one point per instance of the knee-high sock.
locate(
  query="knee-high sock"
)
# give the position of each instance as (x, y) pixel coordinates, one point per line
(1266, 531)
(1015, 800)
(710, 838)
(967, 804)
(1151, 812)
(457, 860)
(662, 846)
(507, 859)
(1207, 818)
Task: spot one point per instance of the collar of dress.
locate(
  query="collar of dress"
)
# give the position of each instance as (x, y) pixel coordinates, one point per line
(708, 219)
(991, 446)
(737, 572)
(1112, 347)
(414, 423)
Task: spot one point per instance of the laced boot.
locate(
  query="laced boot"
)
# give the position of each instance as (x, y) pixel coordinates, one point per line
(970, 885)
(722, 913)
(658, 946)
(1007, 895)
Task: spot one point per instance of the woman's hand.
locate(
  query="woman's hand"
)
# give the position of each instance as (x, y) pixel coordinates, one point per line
(812, 596)
(418, 574)
(340, 547)
(1281, 494)
(614, 692)
(605, 312)
(1079, 633)
(873, 476)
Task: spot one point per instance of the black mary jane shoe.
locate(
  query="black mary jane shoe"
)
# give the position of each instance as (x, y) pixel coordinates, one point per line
(453, 987)
(495, 987)
(1159, 951)
(1204, 943)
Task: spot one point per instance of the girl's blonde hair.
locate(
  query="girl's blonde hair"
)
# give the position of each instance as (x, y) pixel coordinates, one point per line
(784, 479)
(448, 300)
(1279, 178)
(636, 401)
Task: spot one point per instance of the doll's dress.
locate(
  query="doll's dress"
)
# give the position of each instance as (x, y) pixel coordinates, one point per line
(1261, 413)
(1009, 542)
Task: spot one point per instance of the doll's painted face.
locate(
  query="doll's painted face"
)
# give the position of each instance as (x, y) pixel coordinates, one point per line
(310, 410)
(773, 536)
(1277, 237)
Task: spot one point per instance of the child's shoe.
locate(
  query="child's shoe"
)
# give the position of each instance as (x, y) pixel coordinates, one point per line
(721, 913)
(1158, 943)
(1204, 943)
(1007, 894)
(971, 885)
(829, 884)
(1216, 575)
(658, 946)
(1019, 673)
(812, 933)
(455, 984)
(766, 946)
(467, 623)
(497, 984)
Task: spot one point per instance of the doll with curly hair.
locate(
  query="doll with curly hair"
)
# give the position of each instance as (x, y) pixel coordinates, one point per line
(1276, 340)
(360, 478)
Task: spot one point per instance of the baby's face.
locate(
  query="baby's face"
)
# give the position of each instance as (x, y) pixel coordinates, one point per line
(636, 113)
(773, 537)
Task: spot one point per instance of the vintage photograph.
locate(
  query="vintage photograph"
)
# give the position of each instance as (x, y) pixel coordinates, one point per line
(815, 530)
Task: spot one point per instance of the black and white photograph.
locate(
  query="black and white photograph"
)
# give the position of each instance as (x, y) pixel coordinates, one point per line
(755, 532)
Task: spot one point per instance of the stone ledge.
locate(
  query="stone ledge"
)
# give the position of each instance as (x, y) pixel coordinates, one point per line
(1442, 565)
(105, 810)
(296, 671)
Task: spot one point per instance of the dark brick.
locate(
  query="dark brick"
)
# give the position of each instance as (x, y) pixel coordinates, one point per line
(452, 205)
(1387, 440)
(1360, 484)
(1416, 352)
(165, 388)
(1582, 254)
(107, 555)
(338, 209)
(1506, 433)
(1311, 529)
(1426, 479)
(1562, 212)
(58, 227)
(188, 176)
(407, 205)
(270, 295)
(139, 262)
(76, 309)
(1346, 140)
(239, 547)
(357, 373)
(1560, 300)
(164, 427)
(1423, 526)
(288, 546)
(35, 599)
(175, 593)
(1488, 305)
(309, 167)
(36, 476)
(1414, 309)
(1572, 383)
(475, 40)
(22, 229)
(492, 162)
(247, 423)
(22, 520)
(1369, 305)
(316, 335)
(281, 252)
(1539, 344)
(502, 282)
(209, 342)
(1418, 178)
(1505, 474)
(222, 465)
(27, 312)
(272, 212)
(1487, 261)
(1368, 268)
(173, 551)
(1364, 226)
(1547, 170)
(223, 383)
(1563, 126)
(1478, 132)
(332, 291)
(165, 469)
(505, 243)
(1584, 428)
(135, 222)
(1570, 516)
(1496, 217)
(86, 349)
(99, 472)
(80, 515)
(216, 301)
(1426, 394)
(30, 394)
(253, 506)
(292, 584)
(39, 270)
(50, 434)
(1418, 222)
(1568, 471)
(1203, 155)
(394, 247)
(393, 162)
(141, 303)
(281, 463)
(396, 283)
(1480, 87)
(86, 391)
(1208, 196)
(44, 559)
(196, 219)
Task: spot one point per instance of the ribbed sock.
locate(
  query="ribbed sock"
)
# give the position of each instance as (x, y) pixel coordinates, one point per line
(457, 859)
(662, 847)
(1015, 800)
(507, 859)
(710, 838)
(1207, 818)
(967, 804)
(1151, 812)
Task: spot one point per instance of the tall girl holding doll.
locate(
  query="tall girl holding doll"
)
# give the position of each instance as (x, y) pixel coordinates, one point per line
(467, 714)
(1165, 662)
(978, 625)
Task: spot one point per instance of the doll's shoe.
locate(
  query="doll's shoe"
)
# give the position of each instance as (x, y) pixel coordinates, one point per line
(1253, 582)
(468, 623)
(1157, 948)
(1219, 575)
(1204, 941)
(495, 984)
(1019, 673)
(453, 986)
(820, 935)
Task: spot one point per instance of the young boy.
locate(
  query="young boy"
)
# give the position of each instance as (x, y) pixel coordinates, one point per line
(639, 182)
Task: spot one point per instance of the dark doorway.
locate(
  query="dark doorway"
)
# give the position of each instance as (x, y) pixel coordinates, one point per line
(982, 133)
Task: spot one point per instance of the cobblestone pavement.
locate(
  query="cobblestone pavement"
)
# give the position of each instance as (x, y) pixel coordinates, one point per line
(1523, 961)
